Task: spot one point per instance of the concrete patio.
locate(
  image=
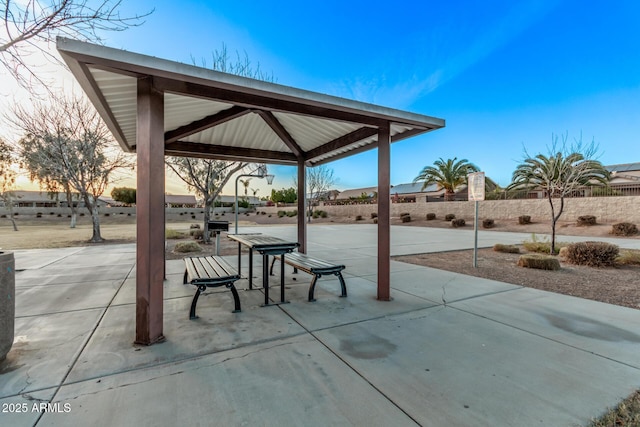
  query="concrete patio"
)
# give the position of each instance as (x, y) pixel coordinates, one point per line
(448, 350)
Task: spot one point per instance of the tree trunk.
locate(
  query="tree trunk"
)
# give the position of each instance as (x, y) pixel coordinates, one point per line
(553, 224)
(13, 221)
(74, 209)
(208, 202)
(92, 205)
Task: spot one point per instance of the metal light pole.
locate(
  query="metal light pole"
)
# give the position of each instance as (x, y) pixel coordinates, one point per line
(261, 173)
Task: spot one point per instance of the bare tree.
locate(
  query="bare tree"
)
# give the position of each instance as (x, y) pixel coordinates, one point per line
(7, 180)
(206, 177)
(319, 181)
(30, 24)
(66, 145)
(565, 171)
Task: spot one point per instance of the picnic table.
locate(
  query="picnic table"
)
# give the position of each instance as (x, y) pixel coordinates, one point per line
(266, 245)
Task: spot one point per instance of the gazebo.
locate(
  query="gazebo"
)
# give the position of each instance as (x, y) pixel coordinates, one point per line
(156, 107)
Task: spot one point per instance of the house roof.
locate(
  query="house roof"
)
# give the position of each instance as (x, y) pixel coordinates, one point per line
(624, 167)
(357, 192)
(186, 199)
(413, 187)
(218, 115)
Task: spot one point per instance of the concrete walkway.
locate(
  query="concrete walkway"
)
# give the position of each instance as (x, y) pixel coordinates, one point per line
(449, 350)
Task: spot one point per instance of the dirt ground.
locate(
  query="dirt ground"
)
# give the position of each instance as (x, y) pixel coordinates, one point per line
(620, 285)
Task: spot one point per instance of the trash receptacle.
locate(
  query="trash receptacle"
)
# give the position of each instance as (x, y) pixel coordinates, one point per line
(7, 302)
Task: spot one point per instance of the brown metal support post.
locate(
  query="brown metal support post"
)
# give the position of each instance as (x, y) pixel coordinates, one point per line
(384, 212)
(302, 213)
(150, 213)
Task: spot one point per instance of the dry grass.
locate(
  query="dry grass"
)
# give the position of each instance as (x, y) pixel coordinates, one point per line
(627, 413)
(628, 257)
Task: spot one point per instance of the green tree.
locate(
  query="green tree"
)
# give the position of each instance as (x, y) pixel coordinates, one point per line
(124, 195)
(285, 195)
(449, 174)
(561, 173)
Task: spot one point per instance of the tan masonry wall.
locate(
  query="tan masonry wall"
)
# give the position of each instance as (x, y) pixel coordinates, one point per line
(606, 209)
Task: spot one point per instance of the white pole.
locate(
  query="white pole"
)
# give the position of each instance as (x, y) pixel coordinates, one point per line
(475, 239)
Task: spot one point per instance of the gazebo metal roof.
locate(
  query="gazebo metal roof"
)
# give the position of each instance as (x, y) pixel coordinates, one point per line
(157, 107)
(219, 115)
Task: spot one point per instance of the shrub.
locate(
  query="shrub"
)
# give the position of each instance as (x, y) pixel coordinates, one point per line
(129, 214)
(3, 216)
(449, 217)
(18, 213)
(184, 247)
(458, 222)
(51, 213)
(507, 249)
(193, 217)
(181, 213)
(524, 219)
(173, 234)
(406, 218)
(431, 216)
(192, 226)
(543, 247)
(324, 214)
(628, 258)
(197, 234)
(281, 214)
(624, 229)
(541, 262)
(82, 214)
(405, 214)
(263, 213)
(488, 223)
(375, 220)
(593, 254)
(39, 215)
(104, 214)
(358, 217)
(374, 215)
(292, 213)
(269, 216)
(60, 215)
(586, 220)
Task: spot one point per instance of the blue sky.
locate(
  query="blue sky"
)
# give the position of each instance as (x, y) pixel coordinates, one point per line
(505, 75)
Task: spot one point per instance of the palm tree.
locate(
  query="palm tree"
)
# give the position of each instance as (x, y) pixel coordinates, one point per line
(448, 174)
(245, 183)
(559, 175)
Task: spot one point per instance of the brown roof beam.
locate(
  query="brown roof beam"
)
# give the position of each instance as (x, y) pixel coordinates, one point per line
(222, 152)
(254, 101)
(282, 133)
(205, 123)
(343, 141)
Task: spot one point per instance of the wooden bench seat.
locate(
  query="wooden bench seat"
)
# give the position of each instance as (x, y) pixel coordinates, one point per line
(210, 272)
(315, 267)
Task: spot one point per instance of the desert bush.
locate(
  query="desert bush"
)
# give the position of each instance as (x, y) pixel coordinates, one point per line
(324, 214)
(431, 216)
(263, 213)
(544, 246)
(628, 257)
(60, 215)
(563, 252)
(39, 215)
(524, 219)
(405, 214)
(624, 229)
(539, 261)
(129, 214)
(104, 214)
(181, 213)
(375, 220)
(269, 216)
(193, 217)
(197, 234)
(82, 214)
(507, 249)
(586, 220)
(3, 216)
(51, 213)
(374, 215)
(184, 247)
(281, 214)
(593, 254)
(173, 234)
(358, 217)
(192, 226)
(488, 223)
(405, 218)
(458, 222)
(292, 213)
(449, 217)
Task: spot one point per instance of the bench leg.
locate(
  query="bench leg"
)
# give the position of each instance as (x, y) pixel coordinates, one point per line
(342, 285)
(312, 287)
(192, 312)
(236, 298)
(184, 280)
